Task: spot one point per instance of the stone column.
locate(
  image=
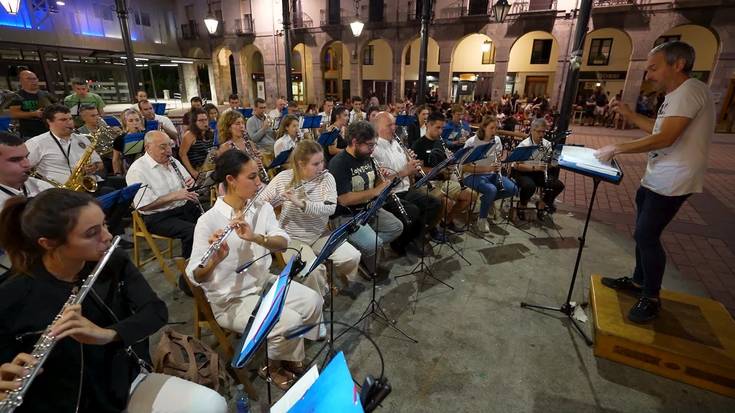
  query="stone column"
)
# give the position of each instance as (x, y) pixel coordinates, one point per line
(501, 71)
(240, 74)
(191, 84)
(316, 85)
(213, 84)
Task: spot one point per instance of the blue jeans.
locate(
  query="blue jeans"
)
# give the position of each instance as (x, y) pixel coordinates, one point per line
(387, 227)
(654, 212)
(485, 185)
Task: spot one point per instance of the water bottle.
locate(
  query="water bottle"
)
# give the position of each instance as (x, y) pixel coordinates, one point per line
(242, 402)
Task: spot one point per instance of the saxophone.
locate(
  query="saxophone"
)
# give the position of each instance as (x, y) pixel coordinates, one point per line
(79, 180)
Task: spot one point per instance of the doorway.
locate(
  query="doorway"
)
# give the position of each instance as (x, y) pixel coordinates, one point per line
(536, 86)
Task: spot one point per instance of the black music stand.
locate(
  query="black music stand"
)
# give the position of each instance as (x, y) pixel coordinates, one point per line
(264, 317)
(567, 308)
(456, 158)
(327, 138)
(374, 308)
(281, 159)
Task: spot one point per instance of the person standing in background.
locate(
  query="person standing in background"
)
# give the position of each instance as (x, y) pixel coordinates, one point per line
(82, 96)
(28, 105)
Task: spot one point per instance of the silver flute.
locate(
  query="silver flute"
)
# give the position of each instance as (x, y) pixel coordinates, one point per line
(420, 172)
(282, 198)
(396, 201)
(44, 345)
(172, 162)
(217, 244)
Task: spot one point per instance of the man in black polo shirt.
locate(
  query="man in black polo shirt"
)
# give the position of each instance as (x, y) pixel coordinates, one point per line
(358, 182)
(28, 106)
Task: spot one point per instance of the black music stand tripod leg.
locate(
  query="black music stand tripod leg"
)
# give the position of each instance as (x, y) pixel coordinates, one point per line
(567, 308)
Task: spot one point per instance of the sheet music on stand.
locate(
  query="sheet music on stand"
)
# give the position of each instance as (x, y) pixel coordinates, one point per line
(478, 153)
(459, 154)
(405, 120)
(331, 391)
(582, 160)
(310, 122)
(328, 138)
(281, 159)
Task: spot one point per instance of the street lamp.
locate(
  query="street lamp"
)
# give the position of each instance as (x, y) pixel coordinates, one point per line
(357, 25)
(485, 47)
(500, 10)
(11, 6)
(211, 20)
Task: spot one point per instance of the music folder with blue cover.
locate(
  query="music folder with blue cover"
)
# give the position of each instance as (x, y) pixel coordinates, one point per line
(582, 160)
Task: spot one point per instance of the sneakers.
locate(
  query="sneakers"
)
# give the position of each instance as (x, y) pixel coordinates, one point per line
(645, 310)
(622, 284)
(482, 226)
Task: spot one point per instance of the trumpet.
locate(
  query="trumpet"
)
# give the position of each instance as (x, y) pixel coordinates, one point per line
(46, 342)
(172, 162)
(420, 172)
(217, 244)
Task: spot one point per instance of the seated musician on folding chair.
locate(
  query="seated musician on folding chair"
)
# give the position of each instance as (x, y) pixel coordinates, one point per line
(234, 296)
(533, 173)
(168, 208)
(308, 199)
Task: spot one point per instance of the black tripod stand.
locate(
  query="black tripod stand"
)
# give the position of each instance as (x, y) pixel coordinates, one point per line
(373, 308)
(568, 308)
(422, 267)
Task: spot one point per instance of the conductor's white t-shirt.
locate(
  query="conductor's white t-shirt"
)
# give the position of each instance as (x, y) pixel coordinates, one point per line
(680, 168)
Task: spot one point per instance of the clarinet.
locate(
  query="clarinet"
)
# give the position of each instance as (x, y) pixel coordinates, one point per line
(420, 171)
(252, 154)
(46, 342)
(397, 202)
(499, 176)
(172, 162)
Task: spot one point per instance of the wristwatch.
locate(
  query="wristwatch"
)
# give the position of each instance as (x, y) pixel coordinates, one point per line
(265, 240)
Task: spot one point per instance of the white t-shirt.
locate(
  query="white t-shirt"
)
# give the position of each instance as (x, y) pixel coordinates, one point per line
(283, 143)
(679, 169)
(493, 154)
(537, 157)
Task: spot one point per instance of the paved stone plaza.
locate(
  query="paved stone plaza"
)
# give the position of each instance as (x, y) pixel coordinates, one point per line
(478, 351)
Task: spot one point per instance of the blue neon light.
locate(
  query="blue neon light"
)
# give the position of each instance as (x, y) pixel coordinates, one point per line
(21, 19)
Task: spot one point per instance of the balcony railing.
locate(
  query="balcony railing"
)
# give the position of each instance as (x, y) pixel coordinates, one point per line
(532, 6)
(302, 21)
(245, 25)
(612, 3)
(326, 20)
(190, 31)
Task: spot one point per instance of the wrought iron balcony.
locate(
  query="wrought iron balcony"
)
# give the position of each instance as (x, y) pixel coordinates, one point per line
(244, 26)
(613, 6)
(190, 31)
(532, 6)
(302, 21)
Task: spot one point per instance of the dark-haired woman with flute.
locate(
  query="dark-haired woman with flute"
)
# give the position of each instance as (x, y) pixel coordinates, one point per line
(233, 296)
(54, 241)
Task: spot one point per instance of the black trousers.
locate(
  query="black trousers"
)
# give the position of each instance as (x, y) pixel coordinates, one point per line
(421, 209)
(117, 212)
(175, 223)
(529, 181)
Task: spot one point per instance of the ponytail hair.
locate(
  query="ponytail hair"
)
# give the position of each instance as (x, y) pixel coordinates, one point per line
(51, 214)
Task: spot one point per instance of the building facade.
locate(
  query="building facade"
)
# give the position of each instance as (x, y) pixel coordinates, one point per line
(469, 57)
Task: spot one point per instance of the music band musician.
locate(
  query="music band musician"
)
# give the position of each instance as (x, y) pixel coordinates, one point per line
(165, 203)
(132, 122)
(91, 122)
(196, 143)
(165, 124)
(357, 113)
(305, 215)
(54, 240)
(484, 175)
(55, 153)
(288, 135)
(234, 296)
(359, 181)
(14, 170)
(533, 173)
(260, 131)
(422, 209)
(338, 120)
(430, 150)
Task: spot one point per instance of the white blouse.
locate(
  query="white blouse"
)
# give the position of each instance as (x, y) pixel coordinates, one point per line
(493, 154)
(225, 284)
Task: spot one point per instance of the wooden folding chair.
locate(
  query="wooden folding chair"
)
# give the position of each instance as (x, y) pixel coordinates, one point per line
(140, 231)
(204, 318)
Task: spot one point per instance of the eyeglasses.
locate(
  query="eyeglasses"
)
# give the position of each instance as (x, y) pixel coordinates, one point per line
(370, 145)
(165, 146)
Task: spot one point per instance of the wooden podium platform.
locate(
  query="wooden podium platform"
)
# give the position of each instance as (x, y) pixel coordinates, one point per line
(692, 341)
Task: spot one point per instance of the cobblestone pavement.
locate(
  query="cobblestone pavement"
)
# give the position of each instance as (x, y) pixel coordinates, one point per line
(700, 241)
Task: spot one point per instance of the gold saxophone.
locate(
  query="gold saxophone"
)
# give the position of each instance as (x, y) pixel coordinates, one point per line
(79, 180)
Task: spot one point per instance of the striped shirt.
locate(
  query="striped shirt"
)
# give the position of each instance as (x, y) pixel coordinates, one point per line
(311, 223)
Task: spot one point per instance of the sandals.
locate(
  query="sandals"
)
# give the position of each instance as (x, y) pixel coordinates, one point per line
(296, 367)
(282, 378)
